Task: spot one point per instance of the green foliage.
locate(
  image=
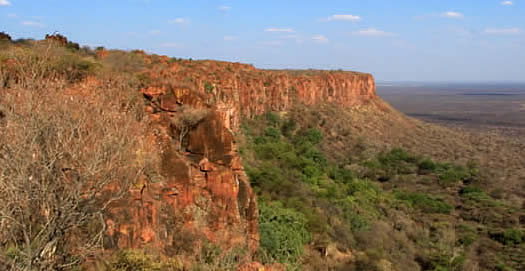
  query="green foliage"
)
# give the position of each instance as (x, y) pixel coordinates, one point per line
(476, 195)
(285, 165)
(288, 127)
(398, 162)
(283, 232)
(450, 174)
(314, 136)
(425, 203)
(508, 237)
(272, 133)
(395, 156)
(466, 235)
(272, 119)
(427, 165)
(503, 267)
(513, 237)
(208, 87)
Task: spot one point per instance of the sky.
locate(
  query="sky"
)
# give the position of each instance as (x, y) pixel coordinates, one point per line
(395, 40)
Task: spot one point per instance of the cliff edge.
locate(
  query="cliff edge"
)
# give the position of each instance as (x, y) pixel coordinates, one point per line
(205, 191)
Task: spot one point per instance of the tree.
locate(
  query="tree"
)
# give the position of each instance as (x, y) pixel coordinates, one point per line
(186, 119)
(64, 159)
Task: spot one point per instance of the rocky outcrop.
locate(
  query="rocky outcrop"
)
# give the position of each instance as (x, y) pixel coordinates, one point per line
(203, 190)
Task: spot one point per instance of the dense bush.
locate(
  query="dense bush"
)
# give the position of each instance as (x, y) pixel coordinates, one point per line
(283, 232)
(513, 237)
(287, 169)
(425, 203)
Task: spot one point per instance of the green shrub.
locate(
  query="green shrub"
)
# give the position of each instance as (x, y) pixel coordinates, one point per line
(272, 119)
(272, 133)
(508, 237)
(208, 87)
(395, 156)
(427, 165)
(314, 136)
(425, 203)
(450, 174)
(288, 127)
(283, 232)
(503, 267)
(513, 237)
(477, 195)
(466, 235)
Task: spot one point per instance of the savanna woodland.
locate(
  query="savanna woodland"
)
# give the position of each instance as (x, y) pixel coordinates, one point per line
(87, 133)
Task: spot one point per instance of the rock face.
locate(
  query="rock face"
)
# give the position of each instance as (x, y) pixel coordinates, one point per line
(240, 90)
(203, 190)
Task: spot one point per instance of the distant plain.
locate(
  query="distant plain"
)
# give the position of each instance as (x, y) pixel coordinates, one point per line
(489, 107)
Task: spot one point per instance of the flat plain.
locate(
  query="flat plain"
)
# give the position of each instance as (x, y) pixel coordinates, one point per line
(495, 107)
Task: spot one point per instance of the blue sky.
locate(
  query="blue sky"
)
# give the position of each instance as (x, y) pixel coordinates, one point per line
(398, 40)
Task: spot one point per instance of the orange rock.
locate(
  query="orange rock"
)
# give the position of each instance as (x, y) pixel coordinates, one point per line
(153, 91)
(206, 189)
(205, 165)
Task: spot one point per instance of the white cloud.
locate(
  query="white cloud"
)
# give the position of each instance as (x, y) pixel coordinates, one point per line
(178, 21)
(452, 14)
(320, 39)
(171, 45)
(373, 32)
(4, 3)
(503, 31)
(507, 3)
(229, 38)
(344, 17)
(33, 23)
(225, 8)
(285, 30)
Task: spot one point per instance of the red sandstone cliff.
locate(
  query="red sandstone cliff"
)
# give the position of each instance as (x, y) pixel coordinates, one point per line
(240, 90)
(204, 190)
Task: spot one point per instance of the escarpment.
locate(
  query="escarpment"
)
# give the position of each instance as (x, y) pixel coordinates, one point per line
(204, 193)
(240, 90)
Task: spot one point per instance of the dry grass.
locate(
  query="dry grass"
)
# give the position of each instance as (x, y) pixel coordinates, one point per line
(67, 151)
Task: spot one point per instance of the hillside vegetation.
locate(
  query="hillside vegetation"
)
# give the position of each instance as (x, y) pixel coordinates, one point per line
(386, 210)
(361, 188)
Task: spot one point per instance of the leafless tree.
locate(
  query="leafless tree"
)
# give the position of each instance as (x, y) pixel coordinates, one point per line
(64, 159)
(187, 118)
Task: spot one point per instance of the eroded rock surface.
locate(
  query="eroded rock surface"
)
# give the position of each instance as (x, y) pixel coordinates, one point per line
(203, 190)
